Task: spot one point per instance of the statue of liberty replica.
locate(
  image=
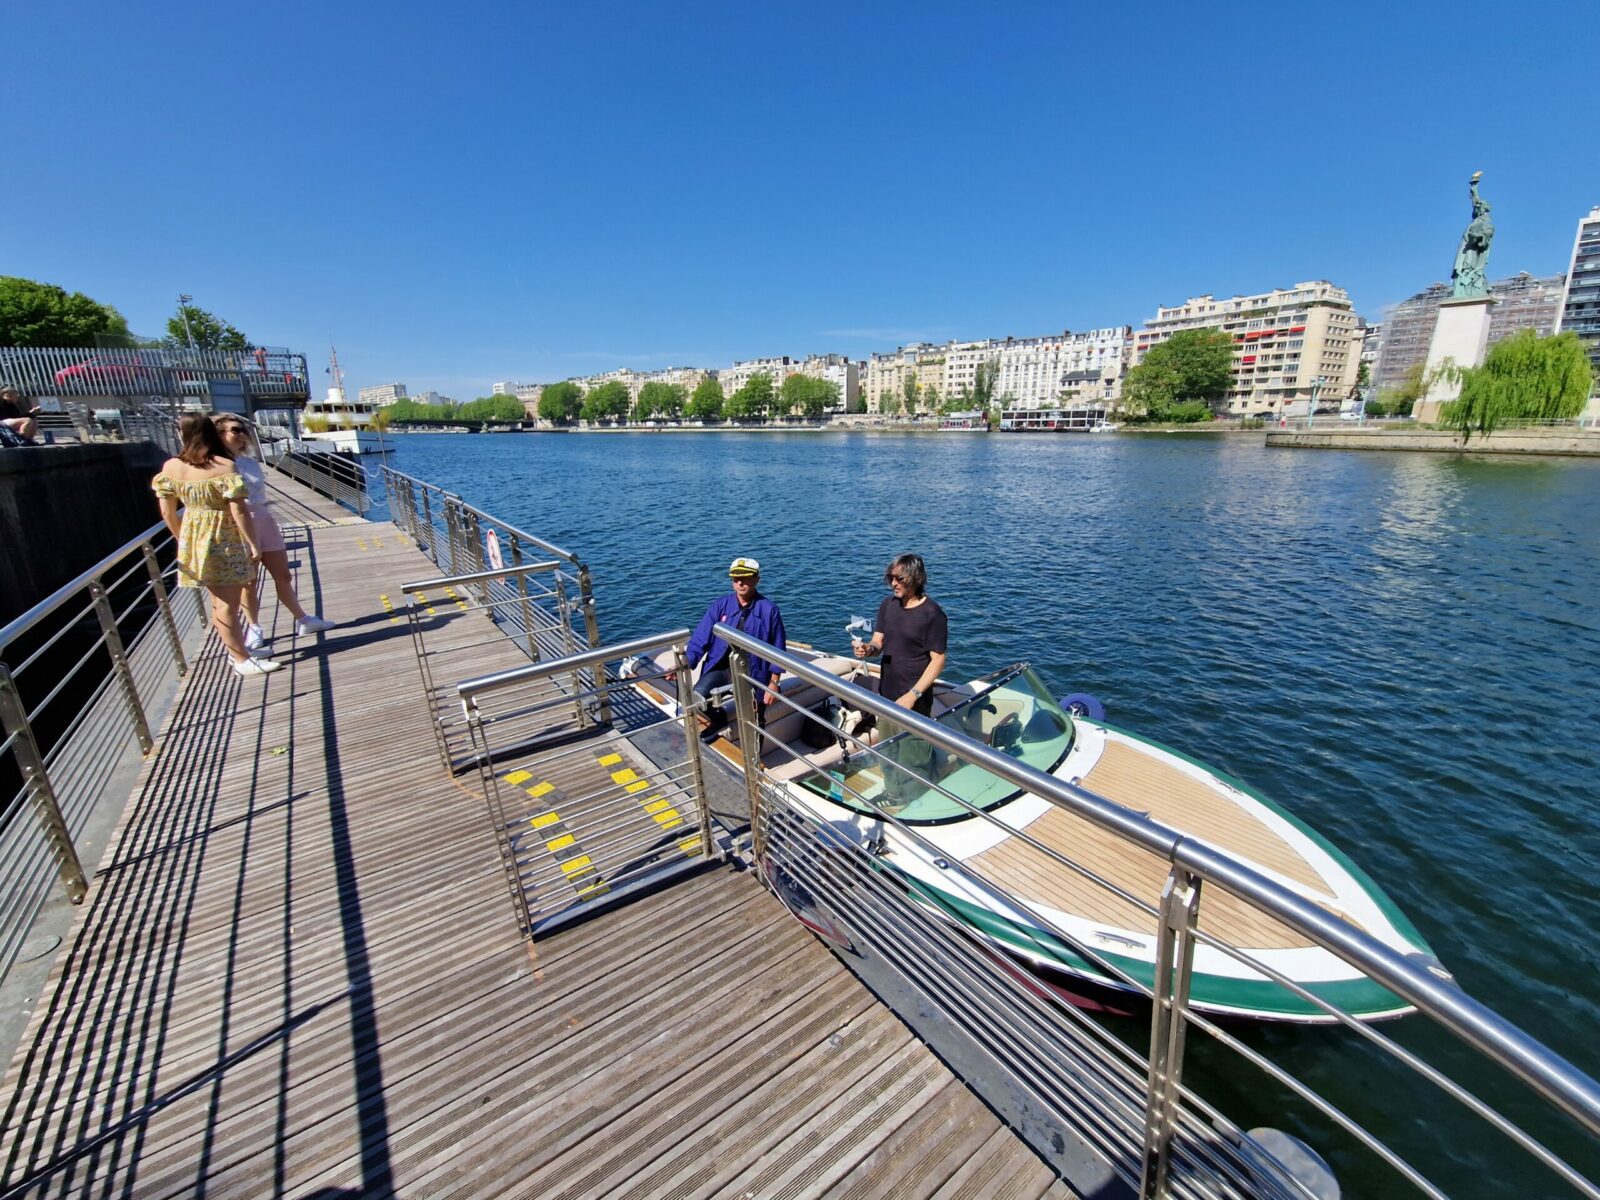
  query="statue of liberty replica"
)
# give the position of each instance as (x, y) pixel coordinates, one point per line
(1469, 279)
(1461, 334)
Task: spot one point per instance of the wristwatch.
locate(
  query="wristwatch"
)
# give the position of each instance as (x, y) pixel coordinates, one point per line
(917, 692)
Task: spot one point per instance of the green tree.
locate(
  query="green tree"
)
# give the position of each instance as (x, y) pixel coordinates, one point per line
(608, 402)
(707, 401)
(659, 400)
(909, 389)
(41, 314)
(984, 380)
(1398, 402)
(807, 396)
(1524, 377)
(754, 399)
(930, 397)
(207, 331)
(1192, 365)
(561, 402)
(889, 404)
(1363, 379)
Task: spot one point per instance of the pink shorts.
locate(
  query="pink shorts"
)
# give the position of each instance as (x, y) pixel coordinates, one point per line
(268, 535)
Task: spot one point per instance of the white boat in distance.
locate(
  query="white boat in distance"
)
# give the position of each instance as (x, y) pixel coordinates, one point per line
(1012, 711)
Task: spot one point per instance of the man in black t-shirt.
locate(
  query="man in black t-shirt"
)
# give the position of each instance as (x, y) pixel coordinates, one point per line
(912, 635)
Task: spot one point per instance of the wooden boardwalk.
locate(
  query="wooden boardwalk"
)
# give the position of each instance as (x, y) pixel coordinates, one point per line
(298, 973)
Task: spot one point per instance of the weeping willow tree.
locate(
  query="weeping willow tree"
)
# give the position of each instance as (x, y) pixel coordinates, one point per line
(1523, 377)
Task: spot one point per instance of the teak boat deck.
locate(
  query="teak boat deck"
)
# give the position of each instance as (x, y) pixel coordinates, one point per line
(298, 973)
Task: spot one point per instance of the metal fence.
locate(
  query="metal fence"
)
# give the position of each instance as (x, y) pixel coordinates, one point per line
(158, 372)
(618, 824)
(337, 476)
(78, 675)
(463, 540)
(1130, 1100)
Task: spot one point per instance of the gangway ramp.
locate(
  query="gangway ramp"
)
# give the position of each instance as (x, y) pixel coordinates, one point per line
(297, 973)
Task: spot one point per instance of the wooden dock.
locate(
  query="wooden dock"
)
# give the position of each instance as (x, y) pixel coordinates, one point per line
(298, 973)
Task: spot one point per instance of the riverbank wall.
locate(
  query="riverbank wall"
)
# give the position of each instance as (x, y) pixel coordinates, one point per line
(63, 508)
(1563, 442)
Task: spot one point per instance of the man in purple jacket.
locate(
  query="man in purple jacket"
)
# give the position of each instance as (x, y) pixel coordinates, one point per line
(745, 609)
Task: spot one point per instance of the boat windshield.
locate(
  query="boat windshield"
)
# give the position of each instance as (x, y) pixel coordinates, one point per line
(1013, 712)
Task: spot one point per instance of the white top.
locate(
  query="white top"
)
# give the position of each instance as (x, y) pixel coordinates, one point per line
(255, 479)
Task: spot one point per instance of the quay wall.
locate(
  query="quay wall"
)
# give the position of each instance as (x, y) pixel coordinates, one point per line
(63, 508)
(1555, 441)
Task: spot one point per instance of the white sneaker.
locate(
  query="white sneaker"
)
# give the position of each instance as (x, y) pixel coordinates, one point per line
(306, 626)
(258, 651)
(256, 666)
(253, 637)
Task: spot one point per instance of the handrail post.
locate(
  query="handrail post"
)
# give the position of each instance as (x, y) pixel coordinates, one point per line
(164, 603)
(1180, 906)
(523, 601)
(119, 663)
(570, 646)
(691, 735)
(591, 629)
(14, 721)
(744, 707)
(427, 521)
(477, 553)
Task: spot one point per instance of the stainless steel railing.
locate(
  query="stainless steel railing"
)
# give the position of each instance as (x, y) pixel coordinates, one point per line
(565, 851)
(452, 619)
(79, 673)
(1142, 1115)
(150, 371)
(463, 540)
(333, 475)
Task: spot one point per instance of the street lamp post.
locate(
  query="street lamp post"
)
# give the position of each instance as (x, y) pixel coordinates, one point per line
(183, 311)
(1311, 404)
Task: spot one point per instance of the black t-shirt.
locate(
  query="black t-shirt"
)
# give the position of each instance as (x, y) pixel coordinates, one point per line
(910, 636)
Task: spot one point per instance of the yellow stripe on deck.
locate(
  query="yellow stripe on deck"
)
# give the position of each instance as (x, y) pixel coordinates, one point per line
(388, 607)
(460, 603)
(516, 777)
(659, 809)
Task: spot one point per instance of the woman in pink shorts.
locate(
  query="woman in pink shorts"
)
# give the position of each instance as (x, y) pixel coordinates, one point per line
(269, 538)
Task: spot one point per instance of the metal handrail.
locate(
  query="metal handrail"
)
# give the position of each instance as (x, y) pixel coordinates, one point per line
(1483, 1030)
(470, 689)
(21, 624)
(423, 585)
(139, 656)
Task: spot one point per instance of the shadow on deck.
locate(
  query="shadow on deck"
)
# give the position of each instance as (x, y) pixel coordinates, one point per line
(298, 972)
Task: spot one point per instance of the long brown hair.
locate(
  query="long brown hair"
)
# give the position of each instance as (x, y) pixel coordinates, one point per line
(201, 441)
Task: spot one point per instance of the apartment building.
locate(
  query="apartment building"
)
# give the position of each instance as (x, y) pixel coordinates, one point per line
(1287, 343)
(1061, 369)
(1580, 298)
(381, 395)
(776, 369)
(840, 371)
(925, 364)
(687, 378)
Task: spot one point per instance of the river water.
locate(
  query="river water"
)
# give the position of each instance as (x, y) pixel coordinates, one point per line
(1402, 649)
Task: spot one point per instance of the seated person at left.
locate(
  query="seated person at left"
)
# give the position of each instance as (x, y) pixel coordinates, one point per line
(747, 610)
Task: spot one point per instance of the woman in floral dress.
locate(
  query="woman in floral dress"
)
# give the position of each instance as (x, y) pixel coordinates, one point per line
(216, 541)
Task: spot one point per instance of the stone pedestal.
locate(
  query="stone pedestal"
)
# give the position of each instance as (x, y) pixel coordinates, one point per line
(1461, 337)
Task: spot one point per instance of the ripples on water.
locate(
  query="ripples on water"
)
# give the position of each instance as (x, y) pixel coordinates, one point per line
(1402, 649)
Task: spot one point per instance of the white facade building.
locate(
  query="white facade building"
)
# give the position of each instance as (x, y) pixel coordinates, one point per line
(1062, 369)
(1289, 344)
(381, 396)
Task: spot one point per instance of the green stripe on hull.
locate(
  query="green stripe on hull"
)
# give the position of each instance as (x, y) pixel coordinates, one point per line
(1358, 997)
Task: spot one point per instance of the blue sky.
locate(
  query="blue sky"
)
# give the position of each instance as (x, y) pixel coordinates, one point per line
(456, 194)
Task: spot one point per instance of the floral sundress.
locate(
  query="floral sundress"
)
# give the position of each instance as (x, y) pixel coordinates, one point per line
(211, 550)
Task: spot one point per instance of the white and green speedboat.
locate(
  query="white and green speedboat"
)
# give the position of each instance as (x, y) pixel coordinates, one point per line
(1067, 927)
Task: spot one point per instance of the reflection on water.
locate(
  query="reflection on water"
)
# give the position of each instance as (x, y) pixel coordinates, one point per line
(1403, 649)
